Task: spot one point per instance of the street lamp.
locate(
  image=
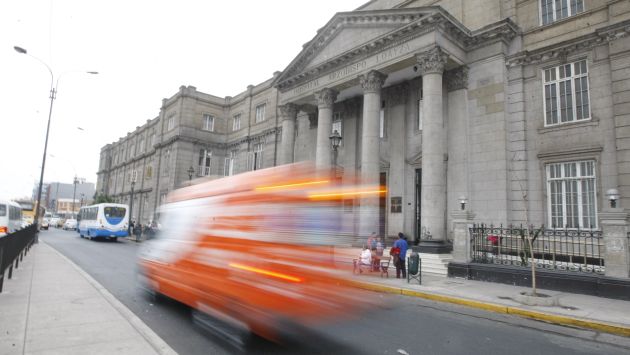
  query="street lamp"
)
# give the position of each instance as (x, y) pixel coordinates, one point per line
(335, 141)
(133, 184)
(53, 95)
(75, 182)
(191, 171)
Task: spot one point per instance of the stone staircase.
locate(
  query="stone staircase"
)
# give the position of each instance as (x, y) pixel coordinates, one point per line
(435, 264)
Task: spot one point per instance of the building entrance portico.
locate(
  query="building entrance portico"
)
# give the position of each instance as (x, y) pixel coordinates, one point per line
(398, 80)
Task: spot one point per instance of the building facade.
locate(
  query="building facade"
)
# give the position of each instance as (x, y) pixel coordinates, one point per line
(518, 108)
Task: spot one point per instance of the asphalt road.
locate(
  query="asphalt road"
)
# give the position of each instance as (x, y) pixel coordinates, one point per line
(407, 326)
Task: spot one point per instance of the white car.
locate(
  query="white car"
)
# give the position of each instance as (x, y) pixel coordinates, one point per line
(55, 222)
(70, 224)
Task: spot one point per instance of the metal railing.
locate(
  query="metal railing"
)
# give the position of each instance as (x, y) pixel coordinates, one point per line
(553, 249)
(13, 247)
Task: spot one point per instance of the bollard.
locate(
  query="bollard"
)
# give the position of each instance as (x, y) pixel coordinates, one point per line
(1, 280)
(17, 261)
(10, 271)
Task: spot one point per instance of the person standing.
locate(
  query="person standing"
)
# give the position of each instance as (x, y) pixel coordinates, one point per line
(401, 244)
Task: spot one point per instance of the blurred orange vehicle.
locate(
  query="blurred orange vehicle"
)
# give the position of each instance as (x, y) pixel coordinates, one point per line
(255, 250)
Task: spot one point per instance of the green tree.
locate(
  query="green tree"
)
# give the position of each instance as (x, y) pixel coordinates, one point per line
(103, 199)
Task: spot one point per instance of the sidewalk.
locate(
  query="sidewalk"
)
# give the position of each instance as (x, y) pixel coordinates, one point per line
(51, 306)
(590, 312)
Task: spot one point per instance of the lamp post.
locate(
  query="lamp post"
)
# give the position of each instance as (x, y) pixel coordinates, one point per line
(74, 191)
(133, 184)
(191, 171)
(53, 95)
(335, 141)
(81, 203)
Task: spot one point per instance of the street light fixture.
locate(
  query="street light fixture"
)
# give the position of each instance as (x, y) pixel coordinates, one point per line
(335, 141)
(613, 196)
(191, 171)
(133, 184)
(75, 182)
(53, 95)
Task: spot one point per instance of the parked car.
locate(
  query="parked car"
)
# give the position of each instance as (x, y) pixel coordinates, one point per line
(54, 222)
(70, 224)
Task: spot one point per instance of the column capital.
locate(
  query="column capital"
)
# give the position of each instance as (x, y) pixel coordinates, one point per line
(432, 61)
(289, 111)
(372, 81)
(457, 78)
(326, 97)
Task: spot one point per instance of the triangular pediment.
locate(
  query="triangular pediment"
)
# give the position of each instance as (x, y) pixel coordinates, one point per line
(351, 34)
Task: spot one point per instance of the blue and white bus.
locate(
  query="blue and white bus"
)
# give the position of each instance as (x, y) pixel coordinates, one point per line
(104, 220)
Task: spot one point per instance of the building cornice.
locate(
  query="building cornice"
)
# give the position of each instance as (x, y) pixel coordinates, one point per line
(568, 48)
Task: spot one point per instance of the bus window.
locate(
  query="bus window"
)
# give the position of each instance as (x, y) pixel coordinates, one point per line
(3, 210)
(118, 212)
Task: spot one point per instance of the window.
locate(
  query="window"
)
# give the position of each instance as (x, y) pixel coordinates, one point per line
(170, 122)
(163, 197)
(204, 162)
(382, 121)
(571, 196)
(260, 113)
(141, 146)
(167, 162)
(256, 157)
(336, 123)
(236, 122)
(208, 122)
(420, 114)
(153, 137)
(228, 168)
(554, 10)
(148, 172)
(566, 93)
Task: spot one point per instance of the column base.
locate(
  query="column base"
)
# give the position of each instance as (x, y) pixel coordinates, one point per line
(433, 247)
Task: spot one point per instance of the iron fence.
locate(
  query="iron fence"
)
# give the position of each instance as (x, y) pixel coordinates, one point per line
(13, 247)
(553, 249)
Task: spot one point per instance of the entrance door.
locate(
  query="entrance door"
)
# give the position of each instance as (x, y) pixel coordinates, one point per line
(418, 228)
(382, 206)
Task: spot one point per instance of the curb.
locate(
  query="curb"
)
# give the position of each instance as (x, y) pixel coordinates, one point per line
(491, 307)
(154, 340)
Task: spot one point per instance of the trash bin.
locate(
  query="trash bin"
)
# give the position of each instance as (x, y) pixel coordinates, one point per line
(414, 267)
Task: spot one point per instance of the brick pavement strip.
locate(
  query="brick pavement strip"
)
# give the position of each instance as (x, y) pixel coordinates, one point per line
(52, 306)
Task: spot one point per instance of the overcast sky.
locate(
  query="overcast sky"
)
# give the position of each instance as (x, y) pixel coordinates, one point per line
(143, 50)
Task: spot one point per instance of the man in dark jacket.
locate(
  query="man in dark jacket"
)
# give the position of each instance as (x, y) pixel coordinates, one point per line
(401, 243)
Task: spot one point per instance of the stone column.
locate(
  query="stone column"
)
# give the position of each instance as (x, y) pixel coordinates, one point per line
(615, 233)
(462, 220)
(372, 83)
(433, 199)
(456, 82)
(325, 100)
(289, 116)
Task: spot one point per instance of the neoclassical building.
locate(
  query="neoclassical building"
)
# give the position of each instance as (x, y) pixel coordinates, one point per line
(520, 107)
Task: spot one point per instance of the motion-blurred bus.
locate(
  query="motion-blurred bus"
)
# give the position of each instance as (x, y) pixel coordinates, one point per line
(103, 220)
(255, 250)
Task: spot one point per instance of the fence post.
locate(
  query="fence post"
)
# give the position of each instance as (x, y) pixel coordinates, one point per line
(462, 221)
(615, 235)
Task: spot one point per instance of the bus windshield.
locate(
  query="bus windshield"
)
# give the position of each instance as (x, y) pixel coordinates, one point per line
(115, 212)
